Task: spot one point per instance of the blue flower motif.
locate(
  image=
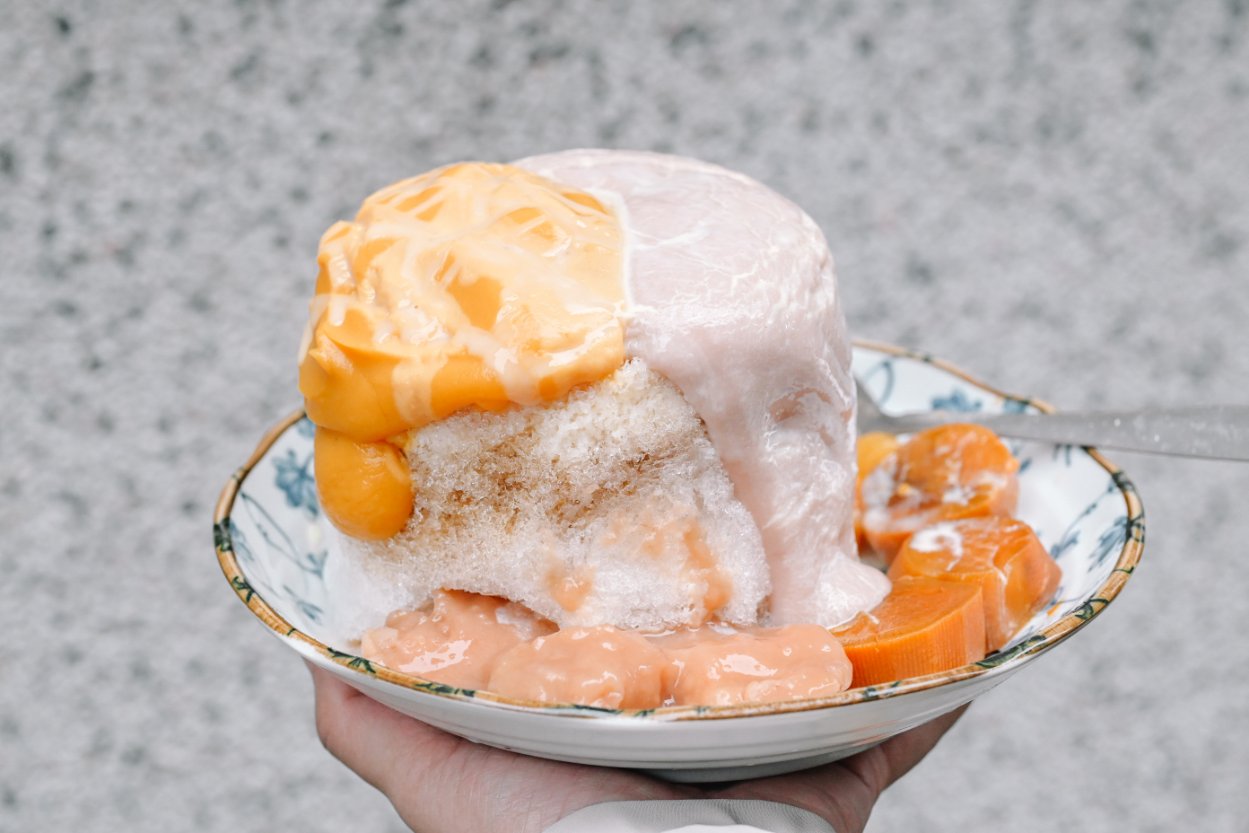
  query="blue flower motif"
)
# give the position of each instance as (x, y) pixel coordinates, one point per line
(241, 548)
(957, 400)
(1011, 405)
(306, 428)
(295, 480)
(883, 391)
(1063, 452)
(1068, 541)
(1111, 540)
(314, 563)
(313, 612)
(1072, 536)
(279, 540)
(266, 573)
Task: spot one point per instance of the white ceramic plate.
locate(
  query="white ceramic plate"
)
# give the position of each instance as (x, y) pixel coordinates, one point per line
(271, 541)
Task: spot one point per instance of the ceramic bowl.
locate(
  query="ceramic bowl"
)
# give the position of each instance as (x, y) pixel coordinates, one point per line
(272, 543)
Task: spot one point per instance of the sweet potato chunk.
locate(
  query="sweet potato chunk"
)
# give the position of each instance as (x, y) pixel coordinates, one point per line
(944, 473)
(1002, 556)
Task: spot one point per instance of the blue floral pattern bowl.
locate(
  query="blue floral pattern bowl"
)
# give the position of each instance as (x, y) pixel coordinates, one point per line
(272, 544)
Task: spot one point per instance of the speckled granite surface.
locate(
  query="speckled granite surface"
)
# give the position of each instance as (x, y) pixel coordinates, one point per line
(1059, 202)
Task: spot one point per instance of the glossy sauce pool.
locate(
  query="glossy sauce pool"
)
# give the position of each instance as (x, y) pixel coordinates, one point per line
(482, 642)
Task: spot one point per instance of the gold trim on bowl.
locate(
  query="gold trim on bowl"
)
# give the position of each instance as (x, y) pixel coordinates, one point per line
(1044, 640)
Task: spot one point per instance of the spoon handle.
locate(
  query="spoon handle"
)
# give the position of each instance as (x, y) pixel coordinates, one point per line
(1217, 432)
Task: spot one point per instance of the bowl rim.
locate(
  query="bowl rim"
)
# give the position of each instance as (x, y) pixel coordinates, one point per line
(1129, 556)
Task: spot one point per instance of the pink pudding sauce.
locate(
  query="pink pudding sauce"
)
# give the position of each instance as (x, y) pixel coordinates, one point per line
(457, 640)
(719, 665)
(483, 642)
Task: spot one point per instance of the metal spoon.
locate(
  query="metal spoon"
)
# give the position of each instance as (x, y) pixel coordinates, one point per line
(1215, 432)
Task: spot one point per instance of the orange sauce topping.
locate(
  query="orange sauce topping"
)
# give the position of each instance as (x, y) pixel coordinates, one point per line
(472, 286)
(569, 588)
(703, 567)
(682, 534)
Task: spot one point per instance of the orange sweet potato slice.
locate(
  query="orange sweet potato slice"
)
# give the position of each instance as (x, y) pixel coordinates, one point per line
(1002, 556)
(923, 626)
(871, 450)
(944, 473)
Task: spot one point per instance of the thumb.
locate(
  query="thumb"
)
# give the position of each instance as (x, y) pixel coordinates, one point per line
(377, 743)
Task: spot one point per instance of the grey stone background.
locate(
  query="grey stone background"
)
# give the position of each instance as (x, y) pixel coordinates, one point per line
(1052, 195)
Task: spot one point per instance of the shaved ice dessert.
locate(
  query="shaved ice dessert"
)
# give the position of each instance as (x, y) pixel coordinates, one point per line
(609, 389)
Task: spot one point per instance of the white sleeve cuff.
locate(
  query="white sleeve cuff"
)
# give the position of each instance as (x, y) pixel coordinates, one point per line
(701, 816)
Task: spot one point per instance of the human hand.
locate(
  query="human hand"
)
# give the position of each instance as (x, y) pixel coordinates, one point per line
(440, 783)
